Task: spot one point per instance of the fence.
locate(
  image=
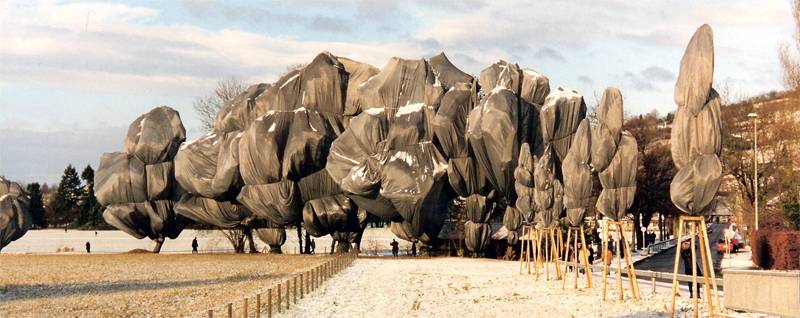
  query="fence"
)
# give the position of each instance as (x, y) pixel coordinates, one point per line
(280, 297)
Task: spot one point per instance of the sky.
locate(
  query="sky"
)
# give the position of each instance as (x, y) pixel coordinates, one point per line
(73, 75)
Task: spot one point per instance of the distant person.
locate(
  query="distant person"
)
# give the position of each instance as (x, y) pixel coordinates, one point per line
(313, 246)
(88, 248)
(686, 257)
(395, 247)
(65, 230)
(413, 248)
(95, 233)
(591, 254)
(194, 246)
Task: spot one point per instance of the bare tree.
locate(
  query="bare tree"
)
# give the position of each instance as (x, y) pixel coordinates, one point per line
(207, 107)
(788, 53)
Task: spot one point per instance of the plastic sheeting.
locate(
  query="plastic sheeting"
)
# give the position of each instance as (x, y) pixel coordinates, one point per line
(492, 133)
(477, 235)
(223, 214)
(209, 166)
(155, 136)
(151, 219)
(15, 218)
(578, 175)
(619, 180)
(138, 187)
(696, 139)
(563, 111)
(386, 161)
(524, 184)
(274, 237)
(548, 192)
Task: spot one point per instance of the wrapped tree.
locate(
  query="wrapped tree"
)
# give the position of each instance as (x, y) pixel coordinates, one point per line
(138, 186)
(15, 217)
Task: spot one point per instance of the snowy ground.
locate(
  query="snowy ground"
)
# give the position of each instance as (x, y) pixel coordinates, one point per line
(741, 260)
(464, 287)
(51, 241)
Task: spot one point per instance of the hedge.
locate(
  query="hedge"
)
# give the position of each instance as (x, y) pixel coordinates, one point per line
(776, 249)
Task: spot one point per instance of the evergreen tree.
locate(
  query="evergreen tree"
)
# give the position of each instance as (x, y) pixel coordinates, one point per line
(67, 196)
(89, 209)
(36, 205)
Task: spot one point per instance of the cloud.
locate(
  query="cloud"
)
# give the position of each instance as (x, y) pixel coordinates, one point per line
(583, 79)
(331, 25)
(656, 73)
(640, 84)
(549, 53)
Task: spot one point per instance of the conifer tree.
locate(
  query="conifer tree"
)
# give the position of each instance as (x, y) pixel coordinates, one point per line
(36, 205)
(67, 197)
(89, 209)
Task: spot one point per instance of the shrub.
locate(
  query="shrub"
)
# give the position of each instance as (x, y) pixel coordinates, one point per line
(776, 249)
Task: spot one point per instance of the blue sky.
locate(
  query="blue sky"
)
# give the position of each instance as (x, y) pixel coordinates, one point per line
(73, 75)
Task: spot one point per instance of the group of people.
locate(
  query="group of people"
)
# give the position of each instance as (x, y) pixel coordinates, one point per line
(396, 248)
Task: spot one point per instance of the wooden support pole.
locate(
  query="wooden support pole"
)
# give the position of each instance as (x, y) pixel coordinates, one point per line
(586, 259)
(244, 308)
(706, 261)
(695, 298)
(634, 282)
(211, 313)
(230, 310)
(574, 258)
(566, 263)
(713, 274)
(617, 247)
(279, 301)
(678, 242)
(302, 291)
(288, 300)
(522, 249)
(269, 303)
(295, 289)
(603, 258)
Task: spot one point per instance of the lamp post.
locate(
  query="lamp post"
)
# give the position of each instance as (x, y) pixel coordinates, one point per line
(754, 116)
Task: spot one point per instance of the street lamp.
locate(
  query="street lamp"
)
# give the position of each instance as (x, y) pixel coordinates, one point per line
(754, 116)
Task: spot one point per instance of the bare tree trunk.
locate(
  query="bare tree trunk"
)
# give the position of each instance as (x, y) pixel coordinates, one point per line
(637, 231)
(333, 245)
(299, 235)
(248, 233)
(159, 242)
(308, 243)
(342, 247)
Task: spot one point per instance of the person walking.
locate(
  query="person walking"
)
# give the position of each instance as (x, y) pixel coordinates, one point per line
(686, 257)
(88, 248)
(194, 246)
(395, 247)
(413, 248)
(313, 246)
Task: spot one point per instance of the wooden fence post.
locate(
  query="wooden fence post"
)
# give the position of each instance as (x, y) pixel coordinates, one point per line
(295, 288)
(230, 310)
(279, 302)
(211, 313)
(269, 303)
(244, 308)
(258, 305)
(288, 300)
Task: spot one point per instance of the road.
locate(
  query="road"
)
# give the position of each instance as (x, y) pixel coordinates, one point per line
(665, 261)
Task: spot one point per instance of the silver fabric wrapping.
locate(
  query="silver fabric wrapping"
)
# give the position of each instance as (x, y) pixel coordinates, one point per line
(696, 140)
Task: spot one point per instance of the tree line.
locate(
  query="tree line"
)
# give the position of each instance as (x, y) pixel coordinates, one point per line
(70, 204)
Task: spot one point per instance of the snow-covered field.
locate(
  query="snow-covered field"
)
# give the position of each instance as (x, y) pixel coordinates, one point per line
(137, 285)
(50, 241)
(466, 287)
